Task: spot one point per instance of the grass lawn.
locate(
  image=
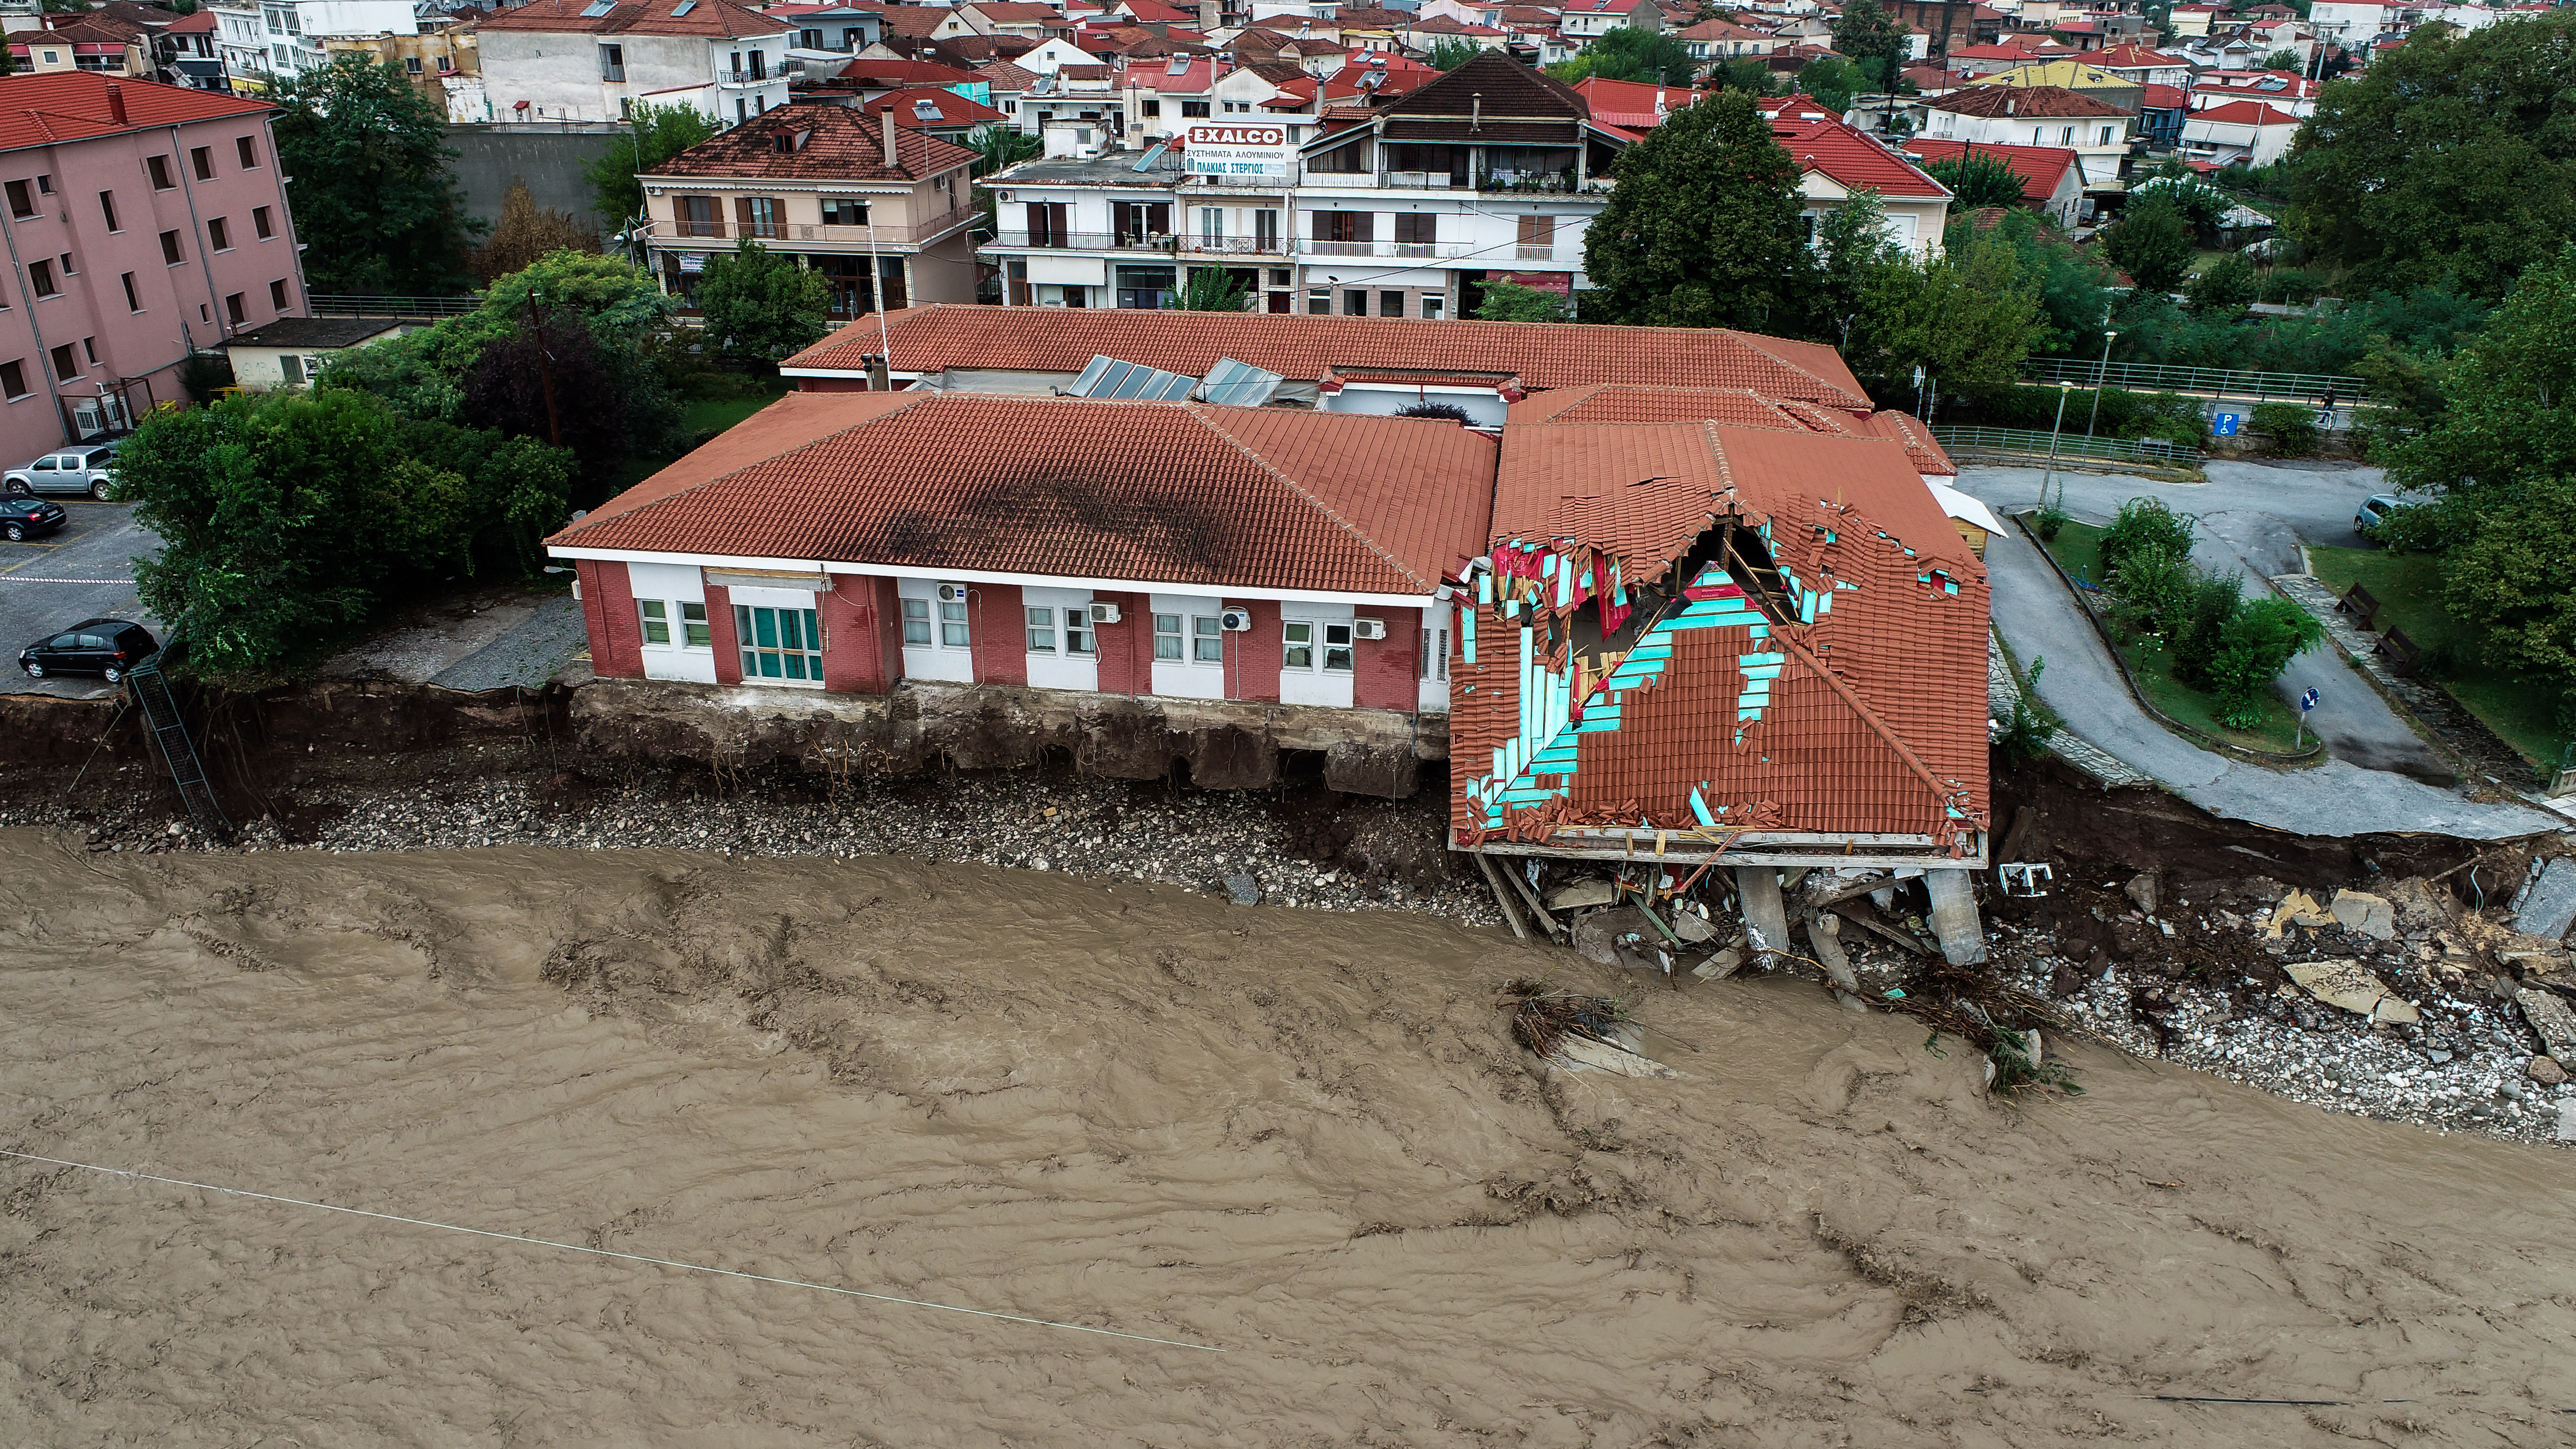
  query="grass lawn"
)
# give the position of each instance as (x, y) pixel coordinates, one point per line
(2078, 549)
(2409, 589)
(715, 415)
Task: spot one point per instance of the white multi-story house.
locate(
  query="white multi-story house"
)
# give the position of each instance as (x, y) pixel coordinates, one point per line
(595, 60)
(284, 38)
(1581, 20)
(1492, 173)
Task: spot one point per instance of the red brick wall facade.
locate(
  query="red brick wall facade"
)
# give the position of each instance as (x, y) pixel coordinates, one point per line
(1252, 660)
(1000, 631)
(608, 609)
(720, 624)
(852, 661)
(1384, 671)
(1126, 648)
(831, 384)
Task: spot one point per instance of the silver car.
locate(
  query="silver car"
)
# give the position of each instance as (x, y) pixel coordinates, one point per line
(76, 470)
(2374, 508)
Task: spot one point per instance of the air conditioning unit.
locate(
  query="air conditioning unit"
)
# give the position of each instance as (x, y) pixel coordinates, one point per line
(952, 593)
(1104, 613)
(1235, 621)
(1368, 628)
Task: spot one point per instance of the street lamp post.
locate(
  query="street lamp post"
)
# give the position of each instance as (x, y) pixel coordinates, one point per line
(2050, 473)
(2101, 371)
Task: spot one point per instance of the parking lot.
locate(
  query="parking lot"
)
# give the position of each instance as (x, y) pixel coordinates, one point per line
(84, 572)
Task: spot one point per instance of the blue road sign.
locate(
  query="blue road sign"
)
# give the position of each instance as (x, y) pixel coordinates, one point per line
(2224, 425)
(2308, 701)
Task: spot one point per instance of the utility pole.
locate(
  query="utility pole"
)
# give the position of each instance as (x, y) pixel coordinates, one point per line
(545, 371)
(2100, 372)
(2050, 473)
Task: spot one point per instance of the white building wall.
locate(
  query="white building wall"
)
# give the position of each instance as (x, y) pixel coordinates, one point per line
(1061, 667)
(1188, 677)
(672, 586)
(558, 74)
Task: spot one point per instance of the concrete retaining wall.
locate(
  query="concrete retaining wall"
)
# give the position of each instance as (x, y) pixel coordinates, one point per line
(549, 156)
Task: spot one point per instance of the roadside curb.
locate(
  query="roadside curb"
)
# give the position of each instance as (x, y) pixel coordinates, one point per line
(2211, 743)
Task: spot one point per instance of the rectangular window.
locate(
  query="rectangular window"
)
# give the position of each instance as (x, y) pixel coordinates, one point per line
(277, 294)
(1337, 648)
(1390, 304)
(1207, 638)
(1041, 631)
(1537, 238)
(761, 216)
(1077, 629)
(1319, 302)
(201, 159)
(1433, 306)
(170, 248)
(234, 309)
(1265, 229)
(952, 625)
(22, 199)
(1355, 302)
(411, 65)
(1167, 636)
(612, 63)
(133, 299)
(89, 347)
(657, 620)
(292, 367)
(779, 643)
(66, 366)
(1297, 644)
(1154, 108)
(694, 633)
(219, 230)
(68, 269)
(158, 168)
(844, 211)
(1416, 228)
(260, 224)
(40, 277)
(1435, 654)
(1194, 110)
(916, 621)
(107, 209)
(13, 380)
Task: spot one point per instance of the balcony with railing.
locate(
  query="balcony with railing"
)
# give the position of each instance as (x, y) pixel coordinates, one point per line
(1088, 241)
(1428, 250)
(857, 238)
(1236, 246)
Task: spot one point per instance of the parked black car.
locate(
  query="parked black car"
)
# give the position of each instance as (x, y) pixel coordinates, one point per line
(25, 518)
(92, 646)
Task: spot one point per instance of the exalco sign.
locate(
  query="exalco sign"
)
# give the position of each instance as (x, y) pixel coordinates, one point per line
(1221, 150)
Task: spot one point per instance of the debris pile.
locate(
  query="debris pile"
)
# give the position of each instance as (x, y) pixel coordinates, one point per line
(1576, 1032)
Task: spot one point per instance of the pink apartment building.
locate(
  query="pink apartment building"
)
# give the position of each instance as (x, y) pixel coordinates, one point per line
(143, 223)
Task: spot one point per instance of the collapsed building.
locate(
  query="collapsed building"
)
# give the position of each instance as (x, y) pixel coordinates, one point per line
(1655, 593)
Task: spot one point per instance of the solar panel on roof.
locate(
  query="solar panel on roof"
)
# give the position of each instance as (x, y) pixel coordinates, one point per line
(1152, 154)
(683, 8)
(1107, 377)
(597, 8)
(1239, 384)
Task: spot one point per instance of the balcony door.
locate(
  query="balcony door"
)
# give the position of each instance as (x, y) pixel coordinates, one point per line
(1048, 225)
(1140, 220)
(698, 216)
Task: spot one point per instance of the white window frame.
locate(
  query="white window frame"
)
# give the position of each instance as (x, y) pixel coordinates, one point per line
(687, 649)
(1059, 664)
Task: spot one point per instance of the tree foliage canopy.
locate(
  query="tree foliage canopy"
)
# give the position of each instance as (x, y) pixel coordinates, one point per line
(1208, 289)
(286, 516)
(1703, 227)
(2152, 243)
(1626, 53)
(1873, 40)
(1976, 179)
(759, 306)
(1450, 52)
(373, 198)
(2506, 418)
(1512, 302)
(2453, 155)
(654, 134)
(1833, 81)
(1968, 316)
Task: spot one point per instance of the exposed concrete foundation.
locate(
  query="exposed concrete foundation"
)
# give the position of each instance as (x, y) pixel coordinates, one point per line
(1954, 915)
(1222, 744)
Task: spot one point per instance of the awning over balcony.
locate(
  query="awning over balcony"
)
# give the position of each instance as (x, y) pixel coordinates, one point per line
(1069, 271)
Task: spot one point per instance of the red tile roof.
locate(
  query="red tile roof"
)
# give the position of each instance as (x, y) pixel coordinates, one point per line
(714, 18)
(2244, 113)
(1012, 12)
(2042, 169)
(1543, 354)
(72, 105)
(1853, 159)
(201, 22)
(950, 108)
(1876, 719)
(1998, 100)
(1164, 493)
(840, 145)
(2164, 98)
(872, 70)
(2135, 57)
(1007, 77)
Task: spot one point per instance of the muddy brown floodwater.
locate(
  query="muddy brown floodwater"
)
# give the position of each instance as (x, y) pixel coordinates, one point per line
(1301, 1137)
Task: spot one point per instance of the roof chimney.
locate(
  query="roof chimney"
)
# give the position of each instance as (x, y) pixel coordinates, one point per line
(894, 157)
(116, 102)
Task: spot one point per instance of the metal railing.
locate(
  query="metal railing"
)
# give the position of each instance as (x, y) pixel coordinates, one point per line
(805, 231)
(1236, 246)
(321, 306)
(2216, 381)
(1087, 241)
(2035, 443)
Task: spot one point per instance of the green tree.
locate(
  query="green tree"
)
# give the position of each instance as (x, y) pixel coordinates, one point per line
(1512, 302)
(287, 517)
(2284, 59)
(2224, 286)
(372, 194)
(1873, 41)
(2505, 417)
(761, 307)
(1976, 179)
(2255, 644)
(2516, 580)
(1626, 53)
(1703, 227)
(1208, 289)
(1833, 81)
(1745, 74)
(1853, 255)
(2451, 156)
(1969, 316)
(2152, 243)
(654, 134)
(1450, 53)
(998, 147)
(2071, 294)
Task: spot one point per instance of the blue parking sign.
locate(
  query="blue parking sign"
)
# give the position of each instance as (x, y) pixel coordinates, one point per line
(2224, 425)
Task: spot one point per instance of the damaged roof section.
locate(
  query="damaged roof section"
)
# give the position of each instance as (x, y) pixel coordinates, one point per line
(1628, 402)
(1730, 633)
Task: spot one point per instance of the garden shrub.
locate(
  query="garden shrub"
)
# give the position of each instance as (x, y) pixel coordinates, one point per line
(2291, 427)
(2254, 646)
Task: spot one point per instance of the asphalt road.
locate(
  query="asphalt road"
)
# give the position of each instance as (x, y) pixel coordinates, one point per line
(84, 572)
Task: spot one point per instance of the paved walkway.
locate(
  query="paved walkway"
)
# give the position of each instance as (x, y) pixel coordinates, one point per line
(2041, 620)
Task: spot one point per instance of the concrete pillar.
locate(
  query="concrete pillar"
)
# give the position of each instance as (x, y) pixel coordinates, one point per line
(1757, 888)
(1954, 915)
